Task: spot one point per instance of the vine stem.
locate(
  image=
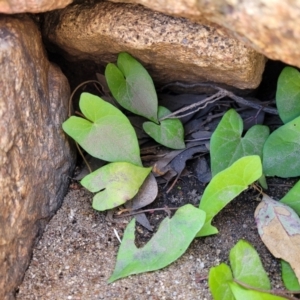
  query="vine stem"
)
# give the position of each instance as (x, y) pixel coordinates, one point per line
(204, 103)
(219, 95)
(76, 89)
(70, 114)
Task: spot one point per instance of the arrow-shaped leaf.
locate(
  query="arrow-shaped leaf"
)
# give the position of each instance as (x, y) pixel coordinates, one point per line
(168, 244)
(116, 183)
(225, 186)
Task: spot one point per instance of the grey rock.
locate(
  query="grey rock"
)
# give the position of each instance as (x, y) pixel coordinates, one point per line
(35, 156)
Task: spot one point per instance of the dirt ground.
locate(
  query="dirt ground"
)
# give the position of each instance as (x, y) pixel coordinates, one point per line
(77, 252)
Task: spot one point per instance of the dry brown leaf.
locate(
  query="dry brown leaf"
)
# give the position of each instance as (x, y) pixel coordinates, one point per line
(146, 195)
(279, 229)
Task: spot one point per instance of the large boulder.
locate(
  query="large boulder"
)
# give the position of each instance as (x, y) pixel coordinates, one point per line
(35, 156)
(269, 27)
(172, 49)
(178, 8)
(33, 6)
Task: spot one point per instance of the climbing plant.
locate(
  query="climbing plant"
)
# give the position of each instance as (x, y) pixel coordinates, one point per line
(237, 161)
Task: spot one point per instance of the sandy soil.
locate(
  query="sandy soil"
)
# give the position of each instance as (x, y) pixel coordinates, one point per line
(77, 252)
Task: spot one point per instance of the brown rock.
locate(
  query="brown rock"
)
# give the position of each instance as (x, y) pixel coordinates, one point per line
(172, 49)
(269, 27)
(179, 8)
(33, 6)
(35, 156)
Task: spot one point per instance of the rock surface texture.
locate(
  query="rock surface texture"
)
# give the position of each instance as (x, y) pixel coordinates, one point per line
(172, 49)
(35, 156)
(270, 27)
(178, 8)
(33, 6)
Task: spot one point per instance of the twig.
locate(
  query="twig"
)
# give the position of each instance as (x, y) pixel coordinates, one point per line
(148, 210)
(117, 235)
(79, 114)
(76, 89)
(281, 184)
(174, 182)
(222, 92)
(83, 157)
(205, 102)
(257, 106)
(273, 292)
(70, 113)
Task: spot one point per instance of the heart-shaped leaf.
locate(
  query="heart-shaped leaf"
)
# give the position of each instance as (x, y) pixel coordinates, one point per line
(227, 144)
(169, 133)
(288, 94)
(279, 228)
(168, 244)
(218, 280)
(225, 186)
(281, 152)
(247, 267)
(106, 133)
(132, 86)
(116, 183)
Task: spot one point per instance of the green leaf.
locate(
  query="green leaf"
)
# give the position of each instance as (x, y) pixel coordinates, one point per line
(117, 182)
(168, 244)
(241, 293)
(169, 133)
(292, 198)
(218, 280)
(288, 94)
(281, 153)
(225, 186)
(132, 86)
(288, 276)
(263, 182)
(247, 267)
(106, 133)
(227, 144)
